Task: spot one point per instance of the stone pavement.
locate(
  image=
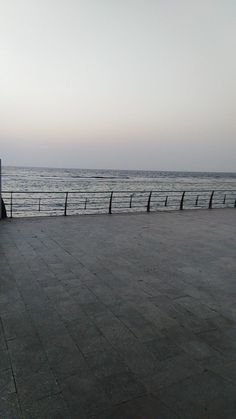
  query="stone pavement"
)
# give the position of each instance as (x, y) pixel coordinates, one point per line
(119, 317)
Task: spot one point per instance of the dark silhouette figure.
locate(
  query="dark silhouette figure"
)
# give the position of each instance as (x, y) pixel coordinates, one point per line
(4, 212)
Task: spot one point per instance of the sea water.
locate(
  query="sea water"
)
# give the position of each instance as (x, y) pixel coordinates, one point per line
(80, 183)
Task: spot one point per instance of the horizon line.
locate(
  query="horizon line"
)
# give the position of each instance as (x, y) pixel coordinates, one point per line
(120, 170)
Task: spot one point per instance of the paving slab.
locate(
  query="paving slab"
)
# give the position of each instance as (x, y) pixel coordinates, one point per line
(122, 316)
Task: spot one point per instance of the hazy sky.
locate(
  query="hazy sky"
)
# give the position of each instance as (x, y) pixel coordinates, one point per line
(135, 84)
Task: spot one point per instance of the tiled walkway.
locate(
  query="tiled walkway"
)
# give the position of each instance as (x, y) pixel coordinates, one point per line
(119, 317)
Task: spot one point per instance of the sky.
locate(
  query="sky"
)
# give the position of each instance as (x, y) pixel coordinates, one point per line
(128, 84)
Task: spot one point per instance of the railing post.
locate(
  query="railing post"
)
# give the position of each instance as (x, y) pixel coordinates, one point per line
(224, 199)
(166, 201)
(182, 201)
(196, 202)
(85, 203)
(11, 204)
(0, 189)
(130, 202)
(211, 200)
(39, 204)
(110, 203)
(149, 202)
(65, 209)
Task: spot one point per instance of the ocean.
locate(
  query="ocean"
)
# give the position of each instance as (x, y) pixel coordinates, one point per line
(92, 185)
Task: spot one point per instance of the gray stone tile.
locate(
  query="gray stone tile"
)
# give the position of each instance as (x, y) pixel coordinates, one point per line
(27, 356)
(36, 386)
(52, 407)
(179, 334)
(7, 384)
(144, 407)
(64, 356)
(138, 358)
(198, 349)
(222, 323)
(3, 345)
(161, 319)
(11, 300)
(122, 387)
(5, 362)
(47, 322)
(9, 407)
(85, 395)
(169, 371)
(230, 333)
(139, 326)
(17, 325)
(113, 328)
(224, 368)
(87, 336)
(105, 362)
(220, 341)
(196, 307)
(203, 396)
(69, 311)
(186, 318)
(85, 296)
(163, 348)
(94, 308)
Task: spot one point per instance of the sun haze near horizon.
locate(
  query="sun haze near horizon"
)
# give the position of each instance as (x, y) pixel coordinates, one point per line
(134, 83)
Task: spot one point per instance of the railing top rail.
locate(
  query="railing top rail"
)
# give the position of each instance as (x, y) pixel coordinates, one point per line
(119, 191)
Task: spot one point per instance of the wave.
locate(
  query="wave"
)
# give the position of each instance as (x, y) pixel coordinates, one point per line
(100, 177)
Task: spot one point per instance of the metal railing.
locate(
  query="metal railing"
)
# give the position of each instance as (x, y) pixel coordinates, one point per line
(32, 203)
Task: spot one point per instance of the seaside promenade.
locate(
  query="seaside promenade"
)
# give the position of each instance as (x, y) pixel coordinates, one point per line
(119, 317)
